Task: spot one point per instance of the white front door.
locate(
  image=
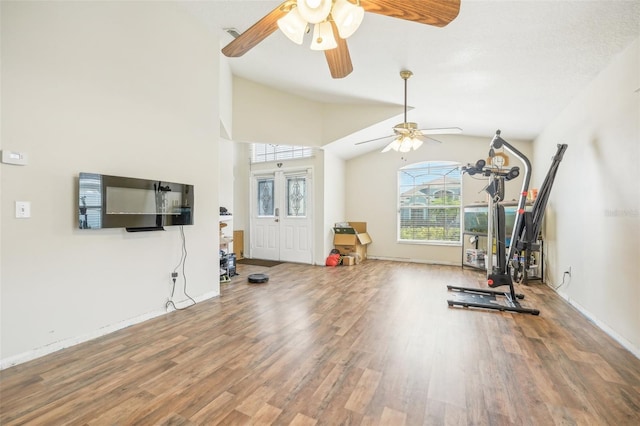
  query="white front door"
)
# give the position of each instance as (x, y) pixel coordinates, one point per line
(281, 220)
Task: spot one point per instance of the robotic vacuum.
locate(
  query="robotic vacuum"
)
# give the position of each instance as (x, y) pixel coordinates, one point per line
(258, 278)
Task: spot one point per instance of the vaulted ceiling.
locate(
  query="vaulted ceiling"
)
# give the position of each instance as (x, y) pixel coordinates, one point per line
(509, 65)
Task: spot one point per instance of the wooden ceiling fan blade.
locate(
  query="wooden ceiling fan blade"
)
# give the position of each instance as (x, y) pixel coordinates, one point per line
(339, 59)
(430, 12)
(441, 131)
(376, 139)
(256, 33)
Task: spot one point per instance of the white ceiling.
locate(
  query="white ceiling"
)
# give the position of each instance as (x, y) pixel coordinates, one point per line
(509, 65)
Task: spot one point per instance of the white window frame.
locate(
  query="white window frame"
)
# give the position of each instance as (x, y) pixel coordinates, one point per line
(428, 174)
(265, 152)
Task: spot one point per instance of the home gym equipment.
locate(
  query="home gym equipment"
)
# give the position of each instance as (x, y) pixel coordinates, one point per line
(524, 237)
(258, 278)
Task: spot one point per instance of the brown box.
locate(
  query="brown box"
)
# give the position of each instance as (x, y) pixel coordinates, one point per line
(348, 260)
(359, 252)
(352, 240)
(238, 244)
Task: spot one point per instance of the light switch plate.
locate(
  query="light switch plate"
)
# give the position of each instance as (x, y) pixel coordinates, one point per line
(23, 209)
(14, 157)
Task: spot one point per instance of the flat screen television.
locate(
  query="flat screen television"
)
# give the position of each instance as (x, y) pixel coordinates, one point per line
(106, 201)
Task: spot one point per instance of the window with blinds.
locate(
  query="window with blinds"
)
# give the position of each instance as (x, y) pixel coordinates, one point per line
(261, 153)
(429, 199)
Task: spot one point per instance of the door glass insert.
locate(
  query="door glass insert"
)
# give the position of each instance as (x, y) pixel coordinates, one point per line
(265, 197)
(296, 196)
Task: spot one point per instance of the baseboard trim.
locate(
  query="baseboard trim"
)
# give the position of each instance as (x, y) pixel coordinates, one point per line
(615, 336)
(67, 343)
(410, 260)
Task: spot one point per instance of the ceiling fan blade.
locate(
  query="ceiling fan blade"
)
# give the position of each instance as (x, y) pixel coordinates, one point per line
(441, 131)
(376, 139)
(256, 33)
(431, 12)
(432, 139)
(339, 59)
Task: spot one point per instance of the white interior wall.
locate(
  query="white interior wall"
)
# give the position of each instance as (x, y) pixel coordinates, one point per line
(340, 120)
(226, 186)
(226, 168)
(265, 115)
(319, 194)
(372, 192)
(593, 217)
(241, 191)
(225, 98)
(335, 192)
(122, 88)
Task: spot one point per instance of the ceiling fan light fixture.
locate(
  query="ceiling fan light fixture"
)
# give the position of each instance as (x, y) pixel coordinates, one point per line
(394, 145)
(314, 11)
(416, 143)
(293, 26)
(323, 38)
(347, 16)
(406, 145)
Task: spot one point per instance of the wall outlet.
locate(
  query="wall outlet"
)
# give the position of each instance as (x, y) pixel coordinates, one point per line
(23, 209)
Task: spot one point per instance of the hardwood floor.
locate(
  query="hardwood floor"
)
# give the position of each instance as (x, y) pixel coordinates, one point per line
(371, 344)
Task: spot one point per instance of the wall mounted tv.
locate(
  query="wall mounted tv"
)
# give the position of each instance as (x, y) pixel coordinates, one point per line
(135, 204)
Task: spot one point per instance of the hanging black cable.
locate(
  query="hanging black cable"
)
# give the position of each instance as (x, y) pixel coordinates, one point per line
(182, 263)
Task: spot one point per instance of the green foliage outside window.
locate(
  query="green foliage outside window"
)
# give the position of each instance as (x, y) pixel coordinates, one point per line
(430, 199)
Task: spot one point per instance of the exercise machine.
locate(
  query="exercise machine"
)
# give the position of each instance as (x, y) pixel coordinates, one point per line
(509, 266)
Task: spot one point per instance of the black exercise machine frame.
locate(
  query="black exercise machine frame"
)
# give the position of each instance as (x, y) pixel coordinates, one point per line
(524, 235)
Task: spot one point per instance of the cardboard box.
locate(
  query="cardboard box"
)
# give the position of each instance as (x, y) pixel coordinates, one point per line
(359, 253)
(348, 260)
(352, 240)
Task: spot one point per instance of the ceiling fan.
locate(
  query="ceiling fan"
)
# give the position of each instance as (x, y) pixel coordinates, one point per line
(334, 21)
(406, 135)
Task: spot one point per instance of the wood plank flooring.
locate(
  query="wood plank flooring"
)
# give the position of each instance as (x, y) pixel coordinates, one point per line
(371, 344)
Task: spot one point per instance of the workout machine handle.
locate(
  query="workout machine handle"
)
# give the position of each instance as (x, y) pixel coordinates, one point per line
(498, 142)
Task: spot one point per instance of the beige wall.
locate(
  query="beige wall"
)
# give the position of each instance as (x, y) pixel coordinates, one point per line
(335, 192)
(225, 96)
(265, 115)
(241, 191)
(372, 192)
(593, 217)
(122, 88)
